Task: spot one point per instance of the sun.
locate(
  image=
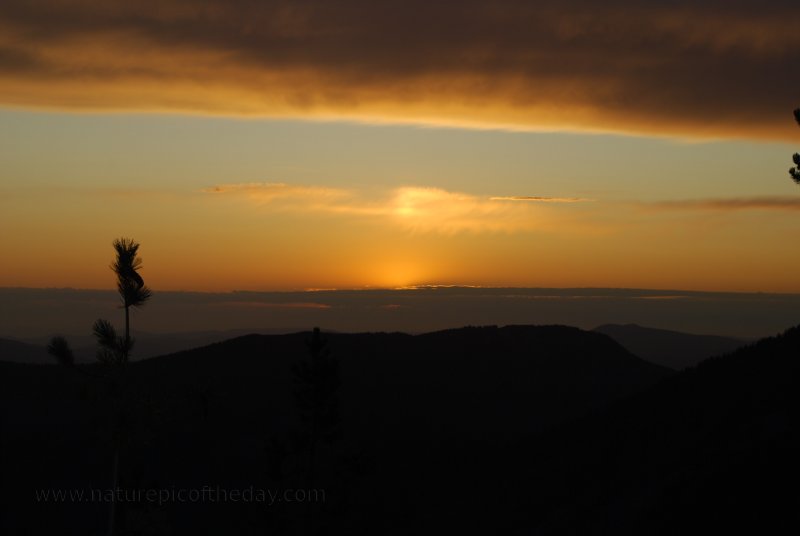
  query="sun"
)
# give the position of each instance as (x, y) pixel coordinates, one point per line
(397, 273)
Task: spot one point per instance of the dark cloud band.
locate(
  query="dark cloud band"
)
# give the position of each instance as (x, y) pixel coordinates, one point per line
(713, 68)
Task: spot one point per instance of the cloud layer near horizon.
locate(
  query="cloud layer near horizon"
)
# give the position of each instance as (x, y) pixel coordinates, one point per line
(694, 69)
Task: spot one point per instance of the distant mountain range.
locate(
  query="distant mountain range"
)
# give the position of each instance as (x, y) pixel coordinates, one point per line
(519, 430)
(669, 348)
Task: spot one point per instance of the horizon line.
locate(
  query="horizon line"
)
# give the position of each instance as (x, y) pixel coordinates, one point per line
(422, 287)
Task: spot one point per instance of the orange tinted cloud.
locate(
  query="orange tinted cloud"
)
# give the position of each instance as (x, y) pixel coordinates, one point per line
(731, 204)
(697, 69)
(434, 209)
(414, 208)
(268, 192)
(538, 199)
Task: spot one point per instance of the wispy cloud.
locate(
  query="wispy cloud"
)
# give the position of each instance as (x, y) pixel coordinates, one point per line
(269, 192)
(434, 209)
(729, 204)
(537, 199)
(414, 208)
(711, 68)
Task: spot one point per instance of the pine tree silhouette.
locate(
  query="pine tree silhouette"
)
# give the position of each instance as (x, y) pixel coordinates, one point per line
(133, 292)
(114, 350)
(316, 383)
(795, 171)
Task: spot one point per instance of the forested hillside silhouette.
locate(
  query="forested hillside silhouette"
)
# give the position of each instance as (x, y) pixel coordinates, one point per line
(710, 450)
(424, 420)
(522, 429)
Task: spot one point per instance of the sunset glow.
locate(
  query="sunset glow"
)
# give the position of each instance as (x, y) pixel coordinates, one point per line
(295, 146)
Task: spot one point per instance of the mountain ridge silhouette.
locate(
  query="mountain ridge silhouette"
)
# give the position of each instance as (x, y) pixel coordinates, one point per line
(522, 429)
(669, 348)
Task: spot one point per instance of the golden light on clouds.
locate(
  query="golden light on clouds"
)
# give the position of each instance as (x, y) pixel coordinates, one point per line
(538, 199)
(308, 197)
(413, 208)
(434, 209)
(710, 69)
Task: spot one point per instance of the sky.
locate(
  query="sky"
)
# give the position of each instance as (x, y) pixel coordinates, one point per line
(277, 146)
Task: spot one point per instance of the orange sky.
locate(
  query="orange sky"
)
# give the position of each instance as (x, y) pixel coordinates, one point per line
(292, 146)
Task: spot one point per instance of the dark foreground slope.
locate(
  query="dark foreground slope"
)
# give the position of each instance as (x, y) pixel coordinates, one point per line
(428, 425)
(671, 349)
(713, 450)
(22, 352)
(516, 430)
